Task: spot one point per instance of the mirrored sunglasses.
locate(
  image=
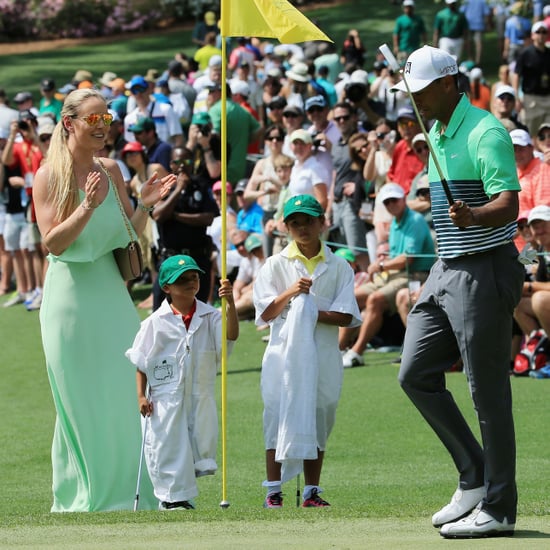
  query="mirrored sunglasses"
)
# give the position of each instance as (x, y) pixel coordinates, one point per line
(94, 118)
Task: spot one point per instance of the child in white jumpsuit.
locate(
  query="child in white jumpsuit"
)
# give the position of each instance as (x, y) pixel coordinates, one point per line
(177, 352)
(305, 293)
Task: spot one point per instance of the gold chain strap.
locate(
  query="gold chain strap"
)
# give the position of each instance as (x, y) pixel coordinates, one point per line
(115, 190)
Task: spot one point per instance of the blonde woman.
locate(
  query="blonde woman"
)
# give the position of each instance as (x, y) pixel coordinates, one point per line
(87, 317)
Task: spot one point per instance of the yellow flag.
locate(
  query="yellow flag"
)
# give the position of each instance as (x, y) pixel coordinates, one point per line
(268, 19)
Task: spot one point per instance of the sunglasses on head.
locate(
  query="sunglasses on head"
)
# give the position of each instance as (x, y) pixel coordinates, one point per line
(94, 118)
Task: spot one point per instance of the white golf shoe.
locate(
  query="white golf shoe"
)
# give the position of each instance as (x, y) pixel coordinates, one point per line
(462, 503)
(477, 524)
(352, 359)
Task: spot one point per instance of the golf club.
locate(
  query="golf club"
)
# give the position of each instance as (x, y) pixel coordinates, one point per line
(136, 501)
(394, 66)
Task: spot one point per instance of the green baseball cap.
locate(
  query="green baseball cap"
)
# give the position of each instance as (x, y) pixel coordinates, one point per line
(252, 242)
(142, 125)
(173, 267)
(201, 118)
(345, 253)
(302, 204)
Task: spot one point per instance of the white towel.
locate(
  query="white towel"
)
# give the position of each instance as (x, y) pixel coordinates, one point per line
(297, 436)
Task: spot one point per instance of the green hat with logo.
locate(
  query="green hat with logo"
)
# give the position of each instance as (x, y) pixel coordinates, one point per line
(252, 242)
(345, 253)
(302, 204)
(173, 267)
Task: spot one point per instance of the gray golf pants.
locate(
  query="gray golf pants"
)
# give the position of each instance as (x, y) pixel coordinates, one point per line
(465, 310)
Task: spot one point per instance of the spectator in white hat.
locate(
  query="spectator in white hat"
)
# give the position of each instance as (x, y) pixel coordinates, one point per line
(533, 311)
(504, 106)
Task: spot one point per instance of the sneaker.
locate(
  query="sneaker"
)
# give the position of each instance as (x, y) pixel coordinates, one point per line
(30, 296)
(462, 503)
(274, 500)
(314, 501)
(352, 359)
(35, 303)
(179, 505)
(17, 298)
(477, 525)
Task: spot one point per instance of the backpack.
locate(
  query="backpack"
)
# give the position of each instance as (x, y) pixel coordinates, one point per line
(534, 355)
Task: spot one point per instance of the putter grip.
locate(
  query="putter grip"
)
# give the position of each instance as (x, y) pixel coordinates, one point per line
(390, 58)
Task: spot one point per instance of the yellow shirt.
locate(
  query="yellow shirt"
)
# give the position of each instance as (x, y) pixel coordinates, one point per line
(310, 263)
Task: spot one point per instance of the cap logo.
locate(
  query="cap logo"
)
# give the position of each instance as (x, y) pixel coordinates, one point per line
(447, 70)
(181, 262)
(297, 203)
(408, 67)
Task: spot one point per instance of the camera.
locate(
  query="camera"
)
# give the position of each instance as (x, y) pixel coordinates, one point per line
(204, 129)
(23, 125)
(355, 91)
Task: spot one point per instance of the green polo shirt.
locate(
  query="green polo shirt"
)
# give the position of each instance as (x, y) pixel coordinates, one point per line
(241, 126)
(477, 159)
(411, 235)
(409, 30)
(450, 24)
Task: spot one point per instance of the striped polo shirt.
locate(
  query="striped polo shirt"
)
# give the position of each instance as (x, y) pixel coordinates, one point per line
(477, 159)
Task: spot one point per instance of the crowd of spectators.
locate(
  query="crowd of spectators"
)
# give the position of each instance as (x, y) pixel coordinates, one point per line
(314, 118)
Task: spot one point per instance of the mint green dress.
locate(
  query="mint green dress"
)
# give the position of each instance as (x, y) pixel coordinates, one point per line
(88, 321)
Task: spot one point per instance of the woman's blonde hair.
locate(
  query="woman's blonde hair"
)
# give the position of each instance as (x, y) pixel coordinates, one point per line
(62, 185)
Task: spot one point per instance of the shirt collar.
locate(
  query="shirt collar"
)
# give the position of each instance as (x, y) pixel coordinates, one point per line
(456, 118)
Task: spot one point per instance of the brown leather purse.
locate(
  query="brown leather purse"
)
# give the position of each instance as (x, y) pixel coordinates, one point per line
(129, 258)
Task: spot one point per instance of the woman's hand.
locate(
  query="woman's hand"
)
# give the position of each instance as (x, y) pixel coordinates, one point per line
(91, 189)
(156, 189)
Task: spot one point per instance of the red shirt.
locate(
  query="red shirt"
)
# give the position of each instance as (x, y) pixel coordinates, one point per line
(405, 165)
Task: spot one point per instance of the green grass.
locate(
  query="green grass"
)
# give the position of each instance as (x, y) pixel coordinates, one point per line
(385, 472)
(137, 53)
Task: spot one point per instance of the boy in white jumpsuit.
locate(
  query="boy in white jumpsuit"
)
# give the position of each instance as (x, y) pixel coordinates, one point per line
(305, 293)
(177, 352)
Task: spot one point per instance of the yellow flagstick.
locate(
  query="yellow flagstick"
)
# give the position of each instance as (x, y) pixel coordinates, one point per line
(224, 503)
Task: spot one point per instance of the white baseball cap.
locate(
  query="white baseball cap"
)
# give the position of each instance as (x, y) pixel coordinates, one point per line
(408, 3)
(521, 137)
(540, 212)
(505, 89)
(239, 87)
(391, 191)
(424, 66)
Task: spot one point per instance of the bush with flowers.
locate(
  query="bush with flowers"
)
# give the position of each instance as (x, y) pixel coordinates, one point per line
(23, 20)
